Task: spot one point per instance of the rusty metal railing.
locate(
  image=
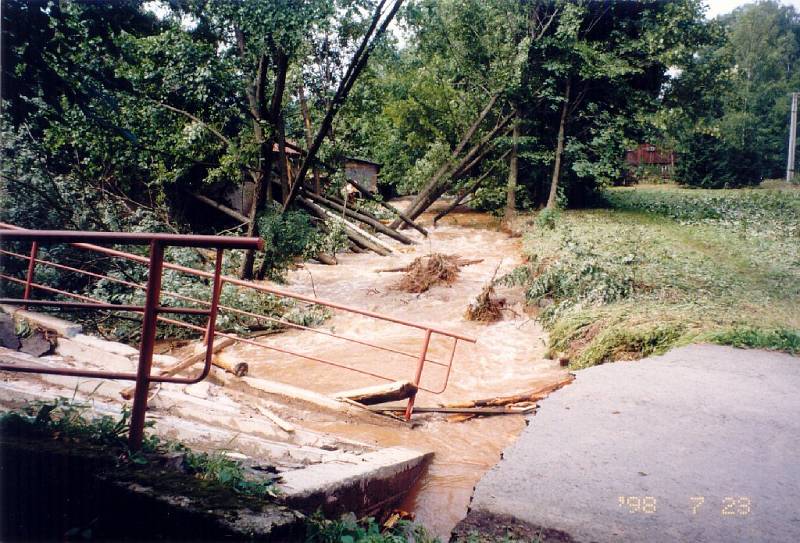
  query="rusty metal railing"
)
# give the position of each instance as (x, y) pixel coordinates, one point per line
(150, 310)
(421, 357)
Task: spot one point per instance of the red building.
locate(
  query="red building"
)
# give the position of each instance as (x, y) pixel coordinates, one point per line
(651, 158)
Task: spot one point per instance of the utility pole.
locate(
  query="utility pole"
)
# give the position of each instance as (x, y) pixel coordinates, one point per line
(792, 139)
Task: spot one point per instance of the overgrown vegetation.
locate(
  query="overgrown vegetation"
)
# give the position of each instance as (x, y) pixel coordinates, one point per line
(349, 529)
(719, 266)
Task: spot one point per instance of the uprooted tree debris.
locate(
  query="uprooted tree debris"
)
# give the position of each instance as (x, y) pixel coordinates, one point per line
(427, 271)
(487, 307)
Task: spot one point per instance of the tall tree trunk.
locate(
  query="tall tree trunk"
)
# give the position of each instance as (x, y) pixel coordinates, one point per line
(551, 200)
(283, 166)
(430, 186)
(511, 194)
(309, 134)
(357, 64)
(434, 190)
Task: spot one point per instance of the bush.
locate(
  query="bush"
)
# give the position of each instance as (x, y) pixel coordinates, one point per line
(708, 161)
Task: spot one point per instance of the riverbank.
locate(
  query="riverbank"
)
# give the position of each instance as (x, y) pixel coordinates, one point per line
(664, 266)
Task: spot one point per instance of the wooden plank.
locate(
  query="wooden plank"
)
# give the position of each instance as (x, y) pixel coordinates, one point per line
(282, 424)
(460, 410)
(389, 392)
(532, 396)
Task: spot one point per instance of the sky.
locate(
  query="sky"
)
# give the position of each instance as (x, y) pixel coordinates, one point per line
(720, 7)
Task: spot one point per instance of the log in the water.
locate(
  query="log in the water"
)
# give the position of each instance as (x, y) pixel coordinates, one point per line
(532, 396)
(356, 234)
(402, 216)
(390, 392)
(355, 215)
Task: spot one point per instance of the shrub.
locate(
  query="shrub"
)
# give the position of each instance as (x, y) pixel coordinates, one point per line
(708, 161)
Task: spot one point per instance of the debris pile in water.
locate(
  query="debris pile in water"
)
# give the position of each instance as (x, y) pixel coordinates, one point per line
(487, 307)
(428, 271)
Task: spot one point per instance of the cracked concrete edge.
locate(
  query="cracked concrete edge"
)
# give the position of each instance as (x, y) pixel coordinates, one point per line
(336, 487)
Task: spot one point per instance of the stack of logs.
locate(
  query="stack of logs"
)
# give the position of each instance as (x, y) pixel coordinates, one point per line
(333, 209)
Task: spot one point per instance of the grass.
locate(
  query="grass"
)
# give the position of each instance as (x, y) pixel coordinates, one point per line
(663, 266)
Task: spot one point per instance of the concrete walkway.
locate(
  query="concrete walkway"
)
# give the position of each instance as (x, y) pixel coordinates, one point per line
(702, 444)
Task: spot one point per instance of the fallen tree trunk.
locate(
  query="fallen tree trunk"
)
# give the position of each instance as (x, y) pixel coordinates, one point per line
(446, 167)
(355, 233)
(431, 192)
(402, 216)
(390, 392)
(461, 410)
(219, 207)
(231, 365)
(466, 192)
(326, 259)
(377, 225)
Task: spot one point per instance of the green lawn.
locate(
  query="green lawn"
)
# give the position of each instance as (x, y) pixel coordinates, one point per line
(663, 266)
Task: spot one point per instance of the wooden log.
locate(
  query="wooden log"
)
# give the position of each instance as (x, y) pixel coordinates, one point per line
(231, 365)
(459, 410)
(219, 207)
(189, 361)
(282, 424)
(390, 392)
(532, 396)
(402, 216)
(355, 215)
(355, 233)
(325, 258)
(467, 191)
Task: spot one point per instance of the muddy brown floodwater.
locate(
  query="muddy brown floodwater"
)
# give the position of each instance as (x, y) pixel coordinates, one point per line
(507, 359)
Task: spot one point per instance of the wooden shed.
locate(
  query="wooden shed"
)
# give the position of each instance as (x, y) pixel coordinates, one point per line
(652, 158)
(363, 172)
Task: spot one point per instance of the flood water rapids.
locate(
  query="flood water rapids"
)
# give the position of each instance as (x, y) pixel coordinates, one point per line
(508, 357)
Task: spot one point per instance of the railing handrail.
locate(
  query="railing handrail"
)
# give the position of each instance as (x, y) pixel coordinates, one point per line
(150, 310)
(152, 307)
(12, 233)
(263, 288)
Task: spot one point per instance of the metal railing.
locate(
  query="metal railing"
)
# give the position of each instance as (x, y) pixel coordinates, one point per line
(150, 311)
(421, 357)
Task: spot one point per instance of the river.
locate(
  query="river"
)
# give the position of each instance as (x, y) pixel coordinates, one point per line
(508, 357)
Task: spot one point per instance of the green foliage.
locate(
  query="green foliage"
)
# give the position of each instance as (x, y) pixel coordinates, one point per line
(708, 161)
(728, 105)
(579, 276)
(720, 265)
(219, 468)
(780, 339)
(286, 236)
(348, 529)
(777, 210)
(548, 217)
